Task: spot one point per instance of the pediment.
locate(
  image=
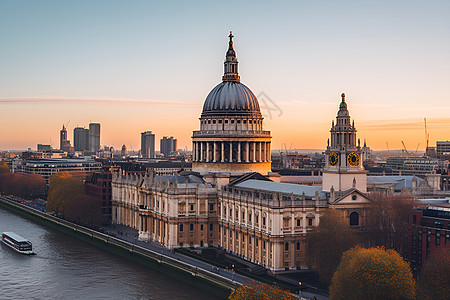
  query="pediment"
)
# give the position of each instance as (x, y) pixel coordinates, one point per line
(352, 197)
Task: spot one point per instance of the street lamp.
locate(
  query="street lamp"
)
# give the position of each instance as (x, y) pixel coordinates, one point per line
(300, 289)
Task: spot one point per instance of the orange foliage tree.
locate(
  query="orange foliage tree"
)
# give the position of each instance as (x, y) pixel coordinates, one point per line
(326, 243)
(28, 186)
(4, 168)
(255, 290)
(433, 282)
(62, 189)
(390, 219)
(85, 210)
(373, 273)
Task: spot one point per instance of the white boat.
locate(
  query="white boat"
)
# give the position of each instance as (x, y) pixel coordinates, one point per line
(17, 243)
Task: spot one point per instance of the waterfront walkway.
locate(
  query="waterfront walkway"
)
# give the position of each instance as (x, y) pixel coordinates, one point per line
(130, 236)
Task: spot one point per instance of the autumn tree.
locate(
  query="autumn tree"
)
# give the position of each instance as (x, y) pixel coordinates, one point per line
(62, 189)
(85, 210)
(433, 282)
(326, 243)
(28, 186)
(373, 273)
(390, 219)
(4, 168)
(255, 290)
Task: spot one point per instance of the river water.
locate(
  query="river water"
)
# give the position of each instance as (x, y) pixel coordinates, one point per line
(67, 268)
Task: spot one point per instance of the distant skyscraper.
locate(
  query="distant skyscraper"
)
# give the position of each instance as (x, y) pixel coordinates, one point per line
(168, 145)
(124, 151)
(147, 144)
(81, 139)
(62, 137)
(94, 137)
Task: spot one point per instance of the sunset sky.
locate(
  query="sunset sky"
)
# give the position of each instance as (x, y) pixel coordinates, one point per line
(149, 65)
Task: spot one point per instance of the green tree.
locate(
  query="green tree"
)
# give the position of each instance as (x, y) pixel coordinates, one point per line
(326, 243)
(433, 282)
(4, 168)
(255, 290)
(373, 273)
(63, 189)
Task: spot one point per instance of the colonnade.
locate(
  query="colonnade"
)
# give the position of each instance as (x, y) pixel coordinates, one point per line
(231, 151)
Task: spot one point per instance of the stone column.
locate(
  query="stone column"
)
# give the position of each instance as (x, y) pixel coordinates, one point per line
(194, 151)
(222, 159)
(231, 151)
(259, 151)
(201, 151)
(208, 157)
(247, 151)
(254, 151)
(239, 152)
(214, 152)
(265, 151)
(268, 152)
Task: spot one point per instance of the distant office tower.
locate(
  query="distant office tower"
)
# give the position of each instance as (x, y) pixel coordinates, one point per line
(168, 145)
(41, 147)
(443, 149)
(124, 151)
(81, 139)
(94, 137)
(147, 144)
(62, 137)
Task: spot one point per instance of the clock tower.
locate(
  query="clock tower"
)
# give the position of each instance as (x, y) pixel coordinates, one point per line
(343, 158)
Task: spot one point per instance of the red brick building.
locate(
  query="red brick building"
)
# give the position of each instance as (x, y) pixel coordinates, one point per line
(429, 231)
(98, 185)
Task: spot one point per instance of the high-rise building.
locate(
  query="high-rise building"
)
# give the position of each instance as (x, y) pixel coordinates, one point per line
(94, 137)
(147, 144)
(168, 145)
(81, 139)
(443, 149)
(124, 151)
(62, 138)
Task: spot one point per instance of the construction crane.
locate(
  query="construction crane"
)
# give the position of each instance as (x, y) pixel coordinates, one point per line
(417, 148)
(427, 135)
(387, 145)
(412, 166)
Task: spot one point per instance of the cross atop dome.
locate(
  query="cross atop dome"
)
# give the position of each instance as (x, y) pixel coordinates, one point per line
(231, 63)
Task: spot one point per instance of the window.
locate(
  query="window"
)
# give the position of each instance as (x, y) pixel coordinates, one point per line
(211, 227)
(286, 246)
(209, 121)
(226, 121)
(201, 227)
(264, 245)
(232, 121)
(211, 207)
(354, 219)
(243, 216)
(220, 121)
(298, 245)
(264, 221)
(245, 121)
(257, 219)
(249, 218)
(191, 227)
(298, 223)
(181, 227)
(192, 206)
(310, 221)
(214, 121)
(414, 219)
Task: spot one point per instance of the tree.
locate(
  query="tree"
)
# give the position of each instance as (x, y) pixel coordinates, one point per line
(28, 186)
(255, 290)
(63, 188)
(4, 168)
(433, 280)
(390, 217)
(373, 273)
(85, 210)
(326, 243)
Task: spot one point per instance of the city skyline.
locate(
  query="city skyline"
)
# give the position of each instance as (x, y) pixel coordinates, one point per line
(150, 66)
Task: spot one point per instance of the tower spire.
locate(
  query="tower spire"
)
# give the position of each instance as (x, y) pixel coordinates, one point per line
(231, 63)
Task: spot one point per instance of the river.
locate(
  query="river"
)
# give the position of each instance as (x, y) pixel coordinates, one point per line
(67, 268)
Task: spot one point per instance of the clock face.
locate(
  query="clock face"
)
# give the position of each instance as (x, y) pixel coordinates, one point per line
(333, 158)
(353, 159)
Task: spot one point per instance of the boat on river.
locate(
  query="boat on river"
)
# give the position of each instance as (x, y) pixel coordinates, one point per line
(17, 243)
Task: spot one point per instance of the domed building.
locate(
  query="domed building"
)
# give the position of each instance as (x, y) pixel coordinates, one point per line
(231, 138)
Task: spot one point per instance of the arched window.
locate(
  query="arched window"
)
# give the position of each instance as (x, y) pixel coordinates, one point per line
(354, 219)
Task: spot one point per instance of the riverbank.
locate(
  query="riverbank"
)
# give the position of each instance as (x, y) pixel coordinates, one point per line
(204, 276)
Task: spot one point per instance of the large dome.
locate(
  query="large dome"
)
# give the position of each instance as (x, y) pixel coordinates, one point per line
(231, 98)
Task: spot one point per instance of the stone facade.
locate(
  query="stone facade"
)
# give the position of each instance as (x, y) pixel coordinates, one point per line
(176, 211)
